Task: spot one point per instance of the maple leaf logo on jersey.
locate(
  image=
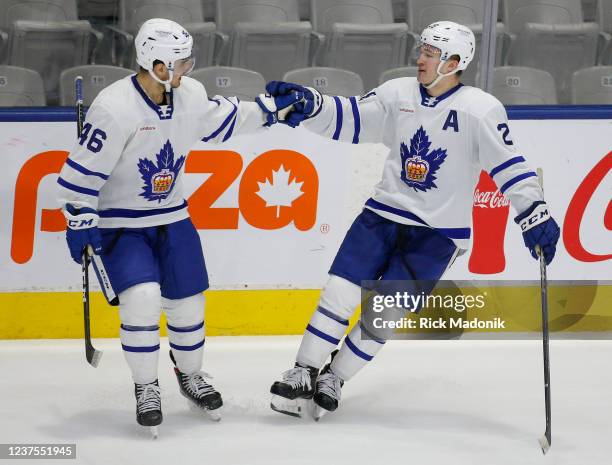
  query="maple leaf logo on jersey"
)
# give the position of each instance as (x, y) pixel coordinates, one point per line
(419, 166)
(159, 178)
(280, 192)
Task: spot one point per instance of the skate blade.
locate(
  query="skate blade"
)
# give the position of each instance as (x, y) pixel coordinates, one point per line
(287, 406)
(154, 431)
(544, 444)
(213, 415)
(319, 412)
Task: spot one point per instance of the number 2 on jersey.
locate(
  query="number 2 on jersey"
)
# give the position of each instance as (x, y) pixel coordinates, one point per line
(506, 134)
(95, 142)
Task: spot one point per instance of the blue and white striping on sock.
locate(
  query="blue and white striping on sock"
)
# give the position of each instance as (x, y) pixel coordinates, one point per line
(356, 351)
(329, 322)
(139, 311)
(322, 335)
(186, 331)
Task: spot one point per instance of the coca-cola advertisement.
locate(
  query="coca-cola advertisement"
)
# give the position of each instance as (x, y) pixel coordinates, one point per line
(580, 199)
(489, 219)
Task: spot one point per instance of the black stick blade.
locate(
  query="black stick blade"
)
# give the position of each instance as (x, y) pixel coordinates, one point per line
(93, 355)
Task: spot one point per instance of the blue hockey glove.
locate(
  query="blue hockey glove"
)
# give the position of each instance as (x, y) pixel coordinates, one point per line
(282, 88)
(82, 231)
(309, 105)
(276, 108)
(539, 228)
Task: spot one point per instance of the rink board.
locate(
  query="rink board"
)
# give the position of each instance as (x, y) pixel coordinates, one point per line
(59, 315)
(268, 264)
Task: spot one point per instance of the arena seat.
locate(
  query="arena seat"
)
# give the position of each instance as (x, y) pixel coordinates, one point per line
(517, 85)
(360, 35)
(551, 35)
(228, 82)
(95, 78)
(330, 81)
(266, 36)
(394, 73)
(46, 36)
(20, 87)
(592, 86)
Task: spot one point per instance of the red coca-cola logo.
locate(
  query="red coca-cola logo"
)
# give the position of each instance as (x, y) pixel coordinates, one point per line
(577, 207)
(490, 199)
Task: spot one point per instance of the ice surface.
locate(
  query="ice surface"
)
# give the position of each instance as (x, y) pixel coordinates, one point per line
(419, 402)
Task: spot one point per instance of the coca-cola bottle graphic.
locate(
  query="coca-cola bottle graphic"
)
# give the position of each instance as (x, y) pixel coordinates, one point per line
(489, 218)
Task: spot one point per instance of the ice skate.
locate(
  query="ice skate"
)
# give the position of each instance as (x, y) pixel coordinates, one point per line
(200, 394)
(148, 406)
(328, 389)
(297, 383)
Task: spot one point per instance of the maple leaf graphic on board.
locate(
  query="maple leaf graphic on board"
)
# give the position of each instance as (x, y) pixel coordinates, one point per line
(280, 192)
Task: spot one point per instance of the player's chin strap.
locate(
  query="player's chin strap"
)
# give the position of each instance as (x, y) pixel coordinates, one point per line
(165, 83)
(440, 76)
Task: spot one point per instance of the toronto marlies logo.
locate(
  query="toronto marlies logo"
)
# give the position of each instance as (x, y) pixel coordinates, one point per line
(159, 178)
(419, 166)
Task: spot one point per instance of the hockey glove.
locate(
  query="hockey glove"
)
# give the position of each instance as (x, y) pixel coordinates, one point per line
(309, 106)
(82, 231)
(276, 108)
(539, 228)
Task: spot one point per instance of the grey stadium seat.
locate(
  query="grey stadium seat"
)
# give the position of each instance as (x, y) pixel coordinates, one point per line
(304, 9)
(421, 13)
(95, 78)
(360, 35)
(603, 17)
(209, 10)
(188, 13)
(592, 86)
(229, 82)
(100, 13)
(406, 71)
(515, 85)
(45, 35)
(266, 36)
(330, 81)
(399, 10)
(551, 35)
(20, 87)
(98, 8)
(589, 9)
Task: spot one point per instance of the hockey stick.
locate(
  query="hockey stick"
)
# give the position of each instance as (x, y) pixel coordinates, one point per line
(545, 441)
(93, 356)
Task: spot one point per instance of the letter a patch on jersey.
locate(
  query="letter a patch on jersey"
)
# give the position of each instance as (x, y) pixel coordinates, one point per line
(451, 121)
(159, 178)
(419, 166)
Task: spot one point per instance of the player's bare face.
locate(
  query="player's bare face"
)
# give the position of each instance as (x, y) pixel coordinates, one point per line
(427, 63)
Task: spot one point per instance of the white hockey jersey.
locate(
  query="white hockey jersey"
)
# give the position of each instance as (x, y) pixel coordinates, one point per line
(438, 146)
(129, 161)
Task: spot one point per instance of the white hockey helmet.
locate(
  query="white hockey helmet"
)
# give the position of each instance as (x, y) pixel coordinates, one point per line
(166, 41)
(451, 39)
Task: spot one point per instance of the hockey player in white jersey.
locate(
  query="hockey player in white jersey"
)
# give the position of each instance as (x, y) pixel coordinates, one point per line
(440, 134)
(121, 193)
